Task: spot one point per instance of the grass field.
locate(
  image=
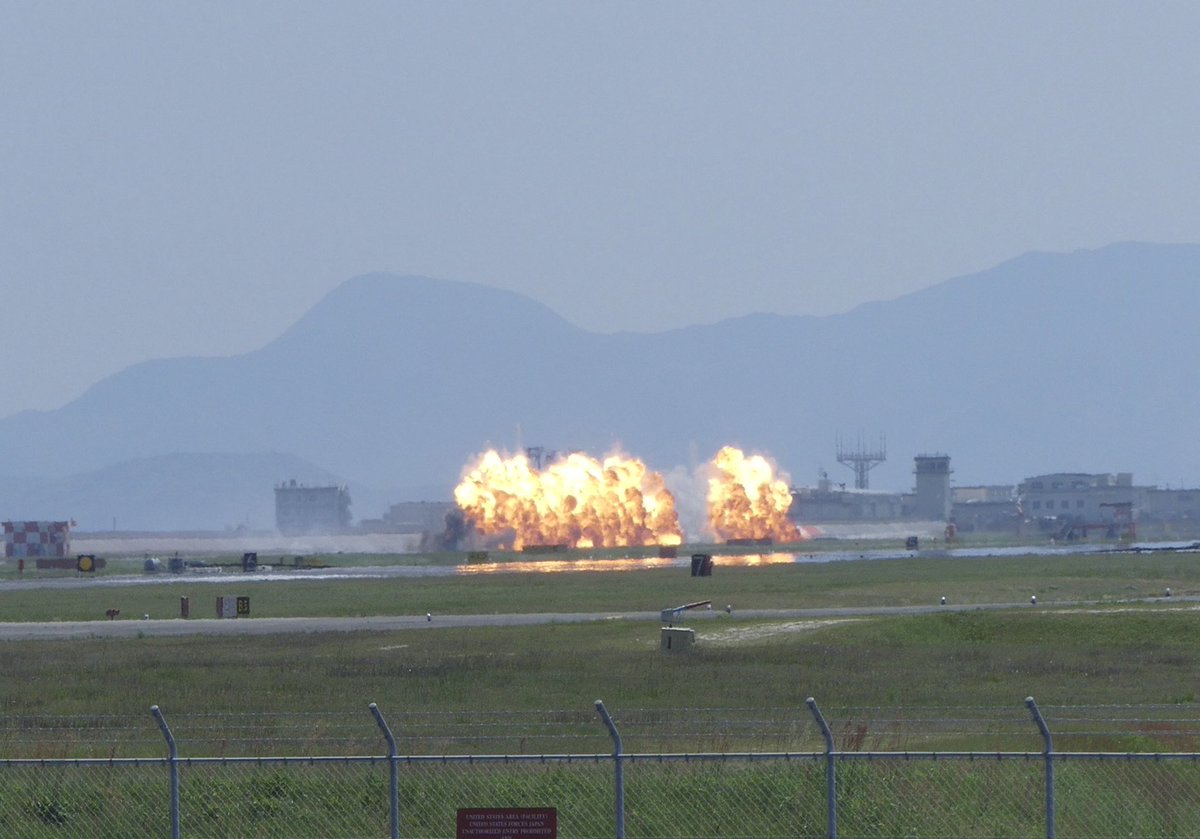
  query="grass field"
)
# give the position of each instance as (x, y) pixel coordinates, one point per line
(1121, 652)
(1116, 674)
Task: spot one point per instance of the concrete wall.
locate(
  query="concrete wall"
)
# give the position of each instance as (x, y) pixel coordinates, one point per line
(303, 510)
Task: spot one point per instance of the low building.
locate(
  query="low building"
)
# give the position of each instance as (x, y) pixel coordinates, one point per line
(985, 509)
(1172, 511)
(987, 494)
(1078, 495)
(828, 502)
(1075, 504)
(815, 505)
(418, 516)
(306, 511)
(1064, 505)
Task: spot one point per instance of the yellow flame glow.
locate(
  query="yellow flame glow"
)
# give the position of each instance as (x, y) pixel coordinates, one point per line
(747, 501)
(577, 501)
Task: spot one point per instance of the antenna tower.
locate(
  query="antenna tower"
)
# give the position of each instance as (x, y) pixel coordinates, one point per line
(539, 455)
(861, 459)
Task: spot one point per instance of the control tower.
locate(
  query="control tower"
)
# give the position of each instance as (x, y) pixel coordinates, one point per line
(933, 487)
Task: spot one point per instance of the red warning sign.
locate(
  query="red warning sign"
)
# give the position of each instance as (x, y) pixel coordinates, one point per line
(508, 823)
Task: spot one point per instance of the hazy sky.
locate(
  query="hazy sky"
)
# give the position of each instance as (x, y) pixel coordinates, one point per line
(189, 178)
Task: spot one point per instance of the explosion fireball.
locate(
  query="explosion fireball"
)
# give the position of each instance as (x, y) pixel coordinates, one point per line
(747, 501)
(576, 501)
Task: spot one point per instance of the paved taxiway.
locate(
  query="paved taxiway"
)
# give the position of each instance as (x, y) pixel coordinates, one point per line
(179, 627)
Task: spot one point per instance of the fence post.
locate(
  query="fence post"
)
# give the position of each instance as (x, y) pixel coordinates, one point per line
(1048, 752)
(393, 760)
(830, 771)
(173, 762)
(620, 773)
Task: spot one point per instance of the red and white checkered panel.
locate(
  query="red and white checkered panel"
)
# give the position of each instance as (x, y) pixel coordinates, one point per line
(37, 538)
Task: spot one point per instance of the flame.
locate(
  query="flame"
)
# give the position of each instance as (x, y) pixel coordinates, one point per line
(747, 501)
(576, 501)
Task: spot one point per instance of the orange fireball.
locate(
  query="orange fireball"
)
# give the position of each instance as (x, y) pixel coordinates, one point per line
(747, 501)
(576, 501)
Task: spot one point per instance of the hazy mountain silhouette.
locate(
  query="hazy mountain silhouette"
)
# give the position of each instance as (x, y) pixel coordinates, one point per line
(1083, 361)
(166, 492)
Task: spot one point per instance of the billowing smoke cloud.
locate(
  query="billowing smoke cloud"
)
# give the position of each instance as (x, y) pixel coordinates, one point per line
(690, 488)
(454, 537)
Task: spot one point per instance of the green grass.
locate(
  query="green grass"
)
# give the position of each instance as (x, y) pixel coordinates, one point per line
(1127, 656)
(881, 798)
(940, 681)
(982, 659)
(899, 582)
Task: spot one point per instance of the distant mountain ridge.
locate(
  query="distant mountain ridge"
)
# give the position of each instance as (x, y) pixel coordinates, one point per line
(167, 492)
(1083, 361)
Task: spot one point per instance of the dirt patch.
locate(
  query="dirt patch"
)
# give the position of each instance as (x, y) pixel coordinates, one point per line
(735, 635)
(1116, 609)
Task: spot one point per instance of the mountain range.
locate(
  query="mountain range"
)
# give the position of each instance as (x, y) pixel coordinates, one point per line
(1083, 361)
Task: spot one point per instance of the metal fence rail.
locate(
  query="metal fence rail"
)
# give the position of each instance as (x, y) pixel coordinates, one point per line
(833, 788)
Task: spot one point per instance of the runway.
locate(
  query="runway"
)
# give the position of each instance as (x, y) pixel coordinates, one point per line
(180, 627)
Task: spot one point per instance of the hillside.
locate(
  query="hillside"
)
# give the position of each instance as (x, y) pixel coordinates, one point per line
(166, 492)
(1083, 361)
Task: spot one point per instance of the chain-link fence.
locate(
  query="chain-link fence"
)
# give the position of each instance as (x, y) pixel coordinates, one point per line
(873, 773)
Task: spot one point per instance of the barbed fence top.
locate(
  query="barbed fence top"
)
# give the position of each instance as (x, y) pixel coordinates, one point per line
(353, 731)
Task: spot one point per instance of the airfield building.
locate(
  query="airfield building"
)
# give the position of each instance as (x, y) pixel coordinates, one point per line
(1064, 505)
(1074, 505)
(305, 511)
(418, 516)
(931, 501)
(1173, 511)
(829, 503)
(985, 509)
(1081, 496)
